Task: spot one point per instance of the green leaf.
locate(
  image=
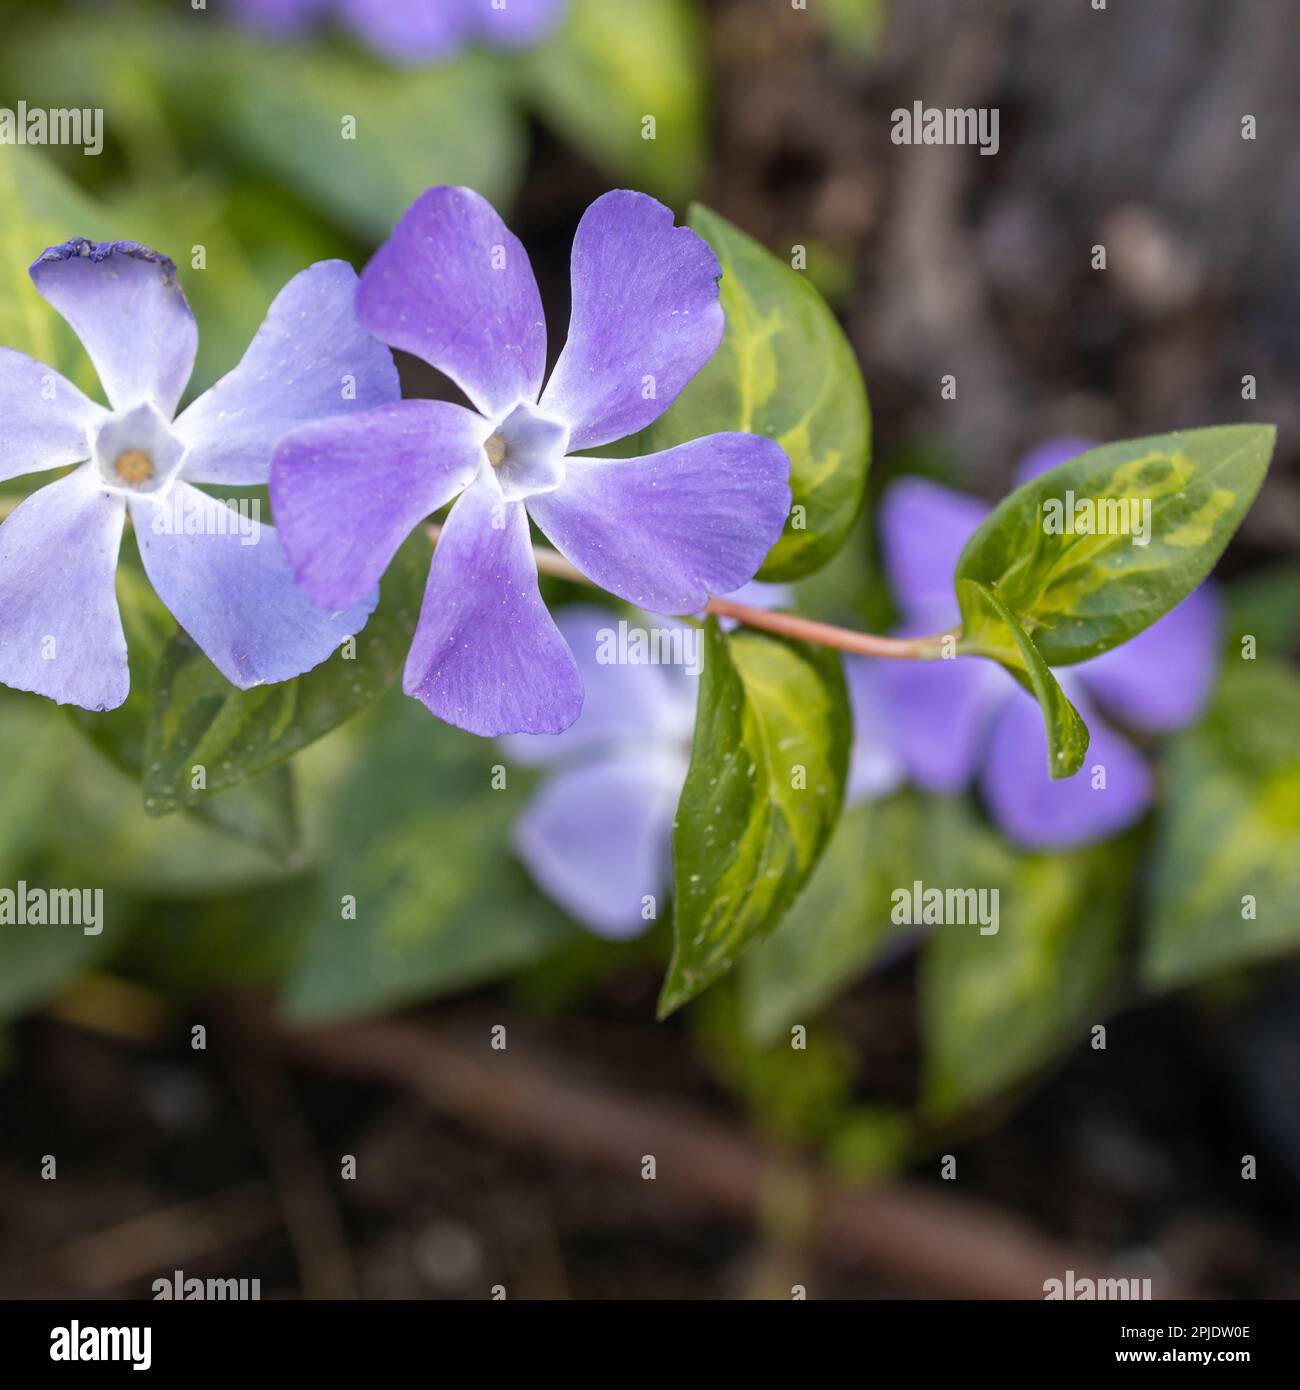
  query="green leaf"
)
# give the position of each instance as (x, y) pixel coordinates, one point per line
(422, 896)
(1227, 879)
(200, 720)
(414, 127)
(610, 65)
(261, 812)
(785, 370)
(1080, 594)
(989, 629)
(996, 1007)
(1265, 606)
(763, 793)
(840, 923)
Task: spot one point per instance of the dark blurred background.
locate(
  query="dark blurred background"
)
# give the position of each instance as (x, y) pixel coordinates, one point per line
(1120, 127)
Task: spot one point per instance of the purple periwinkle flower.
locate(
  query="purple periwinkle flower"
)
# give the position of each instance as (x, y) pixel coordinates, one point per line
(597, 835)
(665, 531)
(60, 628)
(412, 31)
(952, 719)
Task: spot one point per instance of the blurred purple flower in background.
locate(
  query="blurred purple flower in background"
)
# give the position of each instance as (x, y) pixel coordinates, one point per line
(665, 531)
(952, 719)
(597, 836)
(60, 628)
(411, 31)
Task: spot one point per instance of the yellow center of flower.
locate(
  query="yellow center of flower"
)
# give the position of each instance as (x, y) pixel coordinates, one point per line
(495, 449)
(133, 466)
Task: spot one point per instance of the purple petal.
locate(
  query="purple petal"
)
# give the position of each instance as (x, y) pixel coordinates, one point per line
(923, 527)
(346, 493)
(517, 23)
(453, 286)
(310, 360)
(597, 839)
(1163, 677)
(43, 418)
(646, 317)
(487, 656)
(624, 705)
(236, 600)
(1049, 454)
(1037, 812)
(282, 18)
(940, 712)
(669, 530)
(60, 630)
(126, 305)
(412, 31)
(876, 765)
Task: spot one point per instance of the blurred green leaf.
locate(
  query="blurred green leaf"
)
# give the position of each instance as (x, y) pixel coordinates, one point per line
(40, 208)
(785, 370)
(362, 140)
(856, 27)
(422, 896)
(764, 790)
(1078, 594)
(840, 923)
(996, 1007)
(1227, 879)
(200, 720)
(36, 960)
(989, 629)
(610, 66)
(1265, 605)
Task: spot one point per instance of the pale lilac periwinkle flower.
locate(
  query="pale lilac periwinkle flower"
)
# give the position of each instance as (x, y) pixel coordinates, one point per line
(664, 531)
(60, 628)
(411, 31)
(954, 720)
(597, 835)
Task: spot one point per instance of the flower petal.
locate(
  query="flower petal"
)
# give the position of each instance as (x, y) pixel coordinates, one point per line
(940, 712)
(923, 527)
(1163, 677)
(60, 629)
(281, 18)
(597, 839)
(347, 492)
(44, 419)
(651, 706)
(310, 360)
(487, 655)
(453, 286)
(126, 305)
(876, 765)
(645, 310)
(669, 530)
(236, 599)
(1039, 813)
(1050, 453)
(413, 31)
